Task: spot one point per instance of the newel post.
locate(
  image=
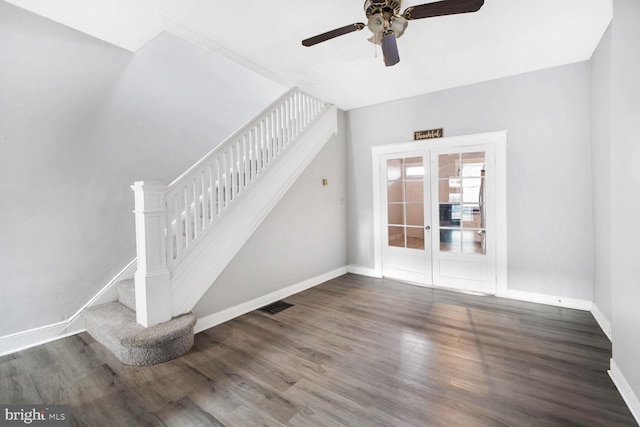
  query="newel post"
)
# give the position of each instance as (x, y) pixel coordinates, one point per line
(152, 280)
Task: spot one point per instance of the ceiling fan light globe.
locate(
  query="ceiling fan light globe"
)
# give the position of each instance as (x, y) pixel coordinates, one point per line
(376, 24)
(398, 25)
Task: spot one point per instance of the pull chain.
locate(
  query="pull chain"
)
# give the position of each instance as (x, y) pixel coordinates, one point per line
(375, 46)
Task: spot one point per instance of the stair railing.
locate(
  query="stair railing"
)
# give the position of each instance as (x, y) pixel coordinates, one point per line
(200, 196)
(171, 220)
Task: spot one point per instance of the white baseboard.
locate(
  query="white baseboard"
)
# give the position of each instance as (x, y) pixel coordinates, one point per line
(215, 319)
(602, 320)
(37, 336)
(73, 325)
(625, 390)
(558, 301)
(364, 271)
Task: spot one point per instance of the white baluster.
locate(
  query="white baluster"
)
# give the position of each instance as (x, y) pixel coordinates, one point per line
(305, 111)
(300, 121)
(210, 191)
(263, 143)
(252, 153)
(201, 201)
(267, 141)
(259, 139)
(294, 116)
(218, 192)
(232, 174)
(280, 129)
(226, 178)
(170, 242)
(246, 159)
(186, 214)
(285, 123)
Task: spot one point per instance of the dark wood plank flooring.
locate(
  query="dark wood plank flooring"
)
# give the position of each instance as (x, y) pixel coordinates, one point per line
(354, 351)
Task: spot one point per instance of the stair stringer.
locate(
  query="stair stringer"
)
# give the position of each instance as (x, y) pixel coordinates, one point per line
(193, 275)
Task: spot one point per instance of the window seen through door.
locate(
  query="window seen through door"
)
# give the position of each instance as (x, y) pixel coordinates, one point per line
(405, 202)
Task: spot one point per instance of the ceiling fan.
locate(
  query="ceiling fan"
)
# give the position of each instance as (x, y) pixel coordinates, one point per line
(386, 22)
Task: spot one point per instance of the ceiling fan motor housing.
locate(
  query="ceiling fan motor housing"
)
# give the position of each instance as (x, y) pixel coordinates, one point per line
(387, 8)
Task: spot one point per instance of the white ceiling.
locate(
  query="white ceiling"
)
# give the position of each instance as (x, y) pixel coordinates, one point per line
(505, 37)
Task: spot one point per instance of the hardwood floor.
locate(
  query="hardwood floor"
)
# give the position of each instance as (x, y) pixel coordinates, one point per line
(354, 351)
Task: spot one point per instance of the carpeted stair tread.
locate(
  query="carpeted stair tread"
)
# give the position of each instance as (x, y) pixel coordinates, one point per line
(115, 326)
(127, 293)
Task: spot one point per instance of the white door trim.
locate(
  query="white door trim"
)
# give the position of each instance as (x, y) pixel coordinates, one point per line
(499, 141)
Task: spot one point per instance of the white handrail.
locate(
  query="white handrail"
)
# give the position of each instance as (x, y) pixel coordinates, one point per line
(197, 199)
(233, 137)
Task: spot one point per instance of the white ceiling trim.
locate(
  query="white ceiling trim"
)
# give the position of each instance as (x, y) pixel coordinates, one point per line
(143, 35)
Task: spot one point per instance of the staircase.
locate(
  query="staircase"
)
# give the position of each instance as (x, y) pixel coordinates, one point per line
(114, 325)
(188, 231)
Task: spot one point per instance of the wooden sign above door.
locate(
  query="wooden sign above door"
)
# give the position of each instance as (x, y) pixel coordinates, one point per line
(428, 134)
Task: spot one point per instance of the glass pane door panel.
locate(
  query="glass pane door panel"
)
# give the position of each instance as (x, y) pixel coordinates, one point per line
(473, 164)
(396, 236)
(396, 214)
(415, 191)
(449, 215)
(448, 165)
(414, 168)
(394, 169)
(472, 216)
(450, 240)
(394, 192)
(473, 242)
(472, 189)
(415, 237)
(449, 190)
(415, 214)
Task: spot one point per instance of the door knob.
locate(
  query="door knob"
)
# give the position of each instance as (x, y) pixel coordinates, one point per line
(428, 227)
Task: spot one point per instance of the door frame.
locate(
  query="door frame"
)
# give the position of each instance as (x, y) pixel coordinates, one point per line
(499, 141)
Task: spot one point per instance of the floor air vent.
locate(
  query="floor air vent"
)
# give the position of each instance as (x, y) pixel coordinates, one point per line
(275, 307)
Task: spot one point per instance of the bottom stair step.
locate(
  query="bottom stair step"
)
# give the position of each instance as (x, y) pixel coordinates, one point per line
(115, 326)
(127, 293)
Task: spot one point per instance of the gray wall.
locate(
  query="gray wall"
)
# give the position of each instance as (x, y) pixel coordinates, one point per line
(550, 228)
(625, 188)
(601, 173)
(303, 237)
(81, 120)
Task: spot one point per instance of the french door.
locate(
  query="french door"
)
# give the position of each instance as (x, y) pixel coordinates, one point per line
(438, 217)
(406, 213)
(464, 243)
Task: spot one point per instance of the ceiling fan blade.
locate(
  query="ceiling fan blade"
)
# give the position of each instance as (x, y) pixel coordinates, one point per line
(333, 33)
(442, 8)
(390, 49)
